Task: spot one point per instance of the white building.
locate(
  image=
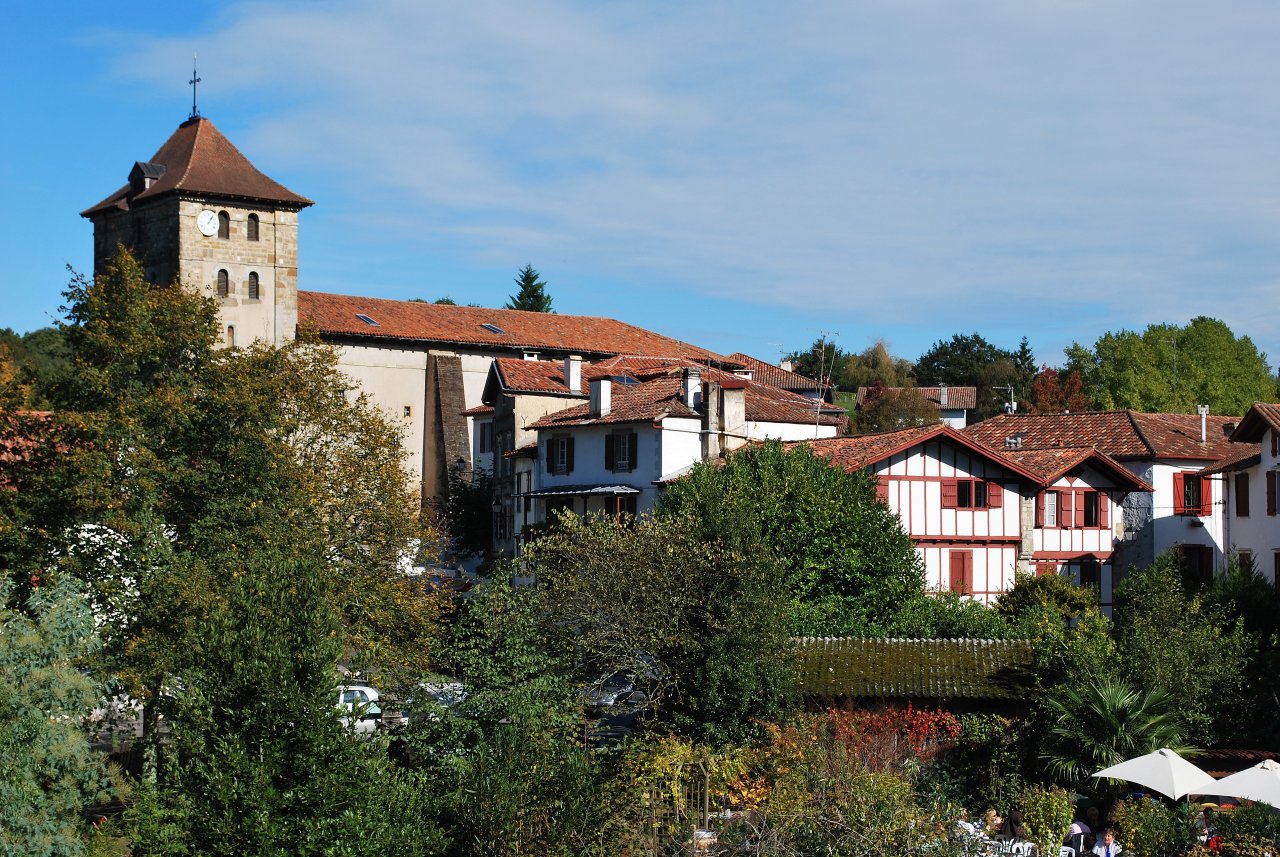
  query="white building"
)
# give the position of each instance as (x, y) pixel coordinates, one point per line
(1247, 483)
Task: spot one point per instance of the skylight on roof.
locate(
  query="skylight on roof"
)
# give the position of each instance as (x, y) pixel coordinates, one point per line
(367, 320)
(493, 328)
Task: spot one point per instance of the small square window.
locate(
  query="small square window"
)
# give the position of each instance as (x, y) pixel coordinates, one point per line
(408, 410)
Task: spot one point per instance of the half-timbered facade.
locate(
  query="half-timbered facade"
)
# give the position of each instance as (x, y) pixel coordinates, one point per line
(1247, 480)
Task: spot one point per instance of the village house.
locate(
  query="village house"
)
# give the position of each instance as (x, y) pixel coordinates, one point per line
(607, 436)
(1182, 512)
(978, 515)
(1246, 480)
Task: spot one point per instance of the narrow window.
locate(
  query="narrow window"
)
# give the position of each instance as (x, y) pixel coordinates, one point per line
(251, 228)
(560, 455)
(253, 285)
(224, 225)
(231, 336)
(1090, 573)
(224, 284)
(1051, 508)
(1091, 518)
(964, 494)
(486, 437)
(1242, 495)
(620, 452)
(1245, 558)
(408, 411)
(961, 562)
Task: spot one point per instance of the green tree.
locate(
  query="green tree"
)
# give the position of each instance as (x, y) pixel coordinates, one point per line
(846, 563)
(531, 295)
(1167, 638)
(888, 410)
(48, 771)
(1099, 724)
(1168, 368)
(969, 360)
(1056, 392)
(876, 364)
(699, 622)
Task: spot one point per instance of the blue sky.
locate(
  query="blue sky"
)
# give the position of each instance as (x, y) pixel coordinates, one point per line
(743, 175)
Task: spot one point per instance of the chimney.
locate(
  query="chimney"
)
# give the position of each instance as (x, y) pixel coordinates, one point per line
(786, 365)
(573, 373)
(601, 397)
(1203, 411)
(692, 392)
(531, 355)
(942, 395)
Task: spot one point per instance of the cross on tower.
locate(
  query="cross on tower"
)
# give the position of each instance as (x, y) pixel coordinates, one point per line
(195, 114)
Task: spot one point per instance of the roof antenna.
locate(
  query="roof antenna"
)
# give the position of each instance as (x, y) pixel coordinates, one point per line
(195, 113)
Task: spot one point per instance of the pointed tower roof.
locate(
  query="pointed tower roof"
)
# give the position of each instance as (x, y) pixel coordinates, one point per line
(198, 159)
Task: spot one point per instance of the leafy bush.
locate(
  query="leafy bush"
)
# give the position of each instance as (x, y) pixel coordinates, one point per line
(1046, 813)
(1148, 828)
(1249, 821)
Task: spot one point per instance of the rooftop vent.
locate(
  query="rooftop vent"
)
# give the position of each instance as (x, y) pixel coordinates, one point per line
(1014, 441)
(493, 328)
(367, 320)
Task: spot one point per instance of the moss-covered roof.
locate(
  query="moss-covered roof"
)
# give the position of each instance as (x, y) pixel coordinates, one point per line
(920, 669)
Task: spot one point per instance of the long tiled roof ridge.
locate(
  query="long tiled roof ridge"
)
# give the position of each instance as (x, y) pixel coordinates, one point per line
(1120, 434)
(1260, 418)
(915, 668)
(592, 336)
(198, 159)
(858, 451)
(776, 375)
(957, 397)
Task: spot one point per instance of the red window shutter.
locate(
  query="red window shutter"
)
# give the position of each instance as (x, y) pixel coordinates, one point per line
(949, 491)
(1179, 494)
(1271, 492)
(961, 562)
(1079, 504)
(610, 457)
(1206, 496)
(1242, 495)
(882, 489)
(1040, 508)
(1104, 509)
(568, 455)
(995, 495)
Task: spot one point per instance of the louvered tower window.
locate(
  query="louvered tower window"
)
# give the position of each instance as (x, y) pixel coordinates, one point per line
(251, 228)
(224, 284)
(224, 225)
(253, 285)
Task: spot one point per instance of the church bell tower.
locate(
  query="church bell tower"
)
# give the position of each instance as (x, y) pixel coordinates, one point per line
(199, 213)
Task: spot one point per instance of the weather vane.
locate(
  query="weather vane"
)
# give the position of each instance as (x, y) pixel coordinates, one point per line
(195, 78)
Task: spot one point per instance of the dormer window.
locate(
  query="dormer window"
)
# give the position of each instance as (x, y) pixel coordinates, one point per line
(224, 225)
(251, 228)
(367, 320)
(253, 285)
(224, 284)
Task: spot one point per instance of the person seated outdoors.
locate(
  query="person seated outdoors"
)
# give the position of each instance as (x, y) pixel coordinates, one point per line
(968, 828)
(1080, 830)
(1012, 828)
(991, 823)
(1107, 845)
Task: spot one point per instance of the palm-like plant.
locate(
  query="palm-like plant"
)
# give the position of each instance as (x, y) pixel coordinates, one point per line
(1106, 723)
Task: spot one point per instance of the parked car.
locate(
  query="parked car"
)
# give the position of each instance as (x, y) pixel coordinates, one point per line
(609, 690)
(361, 708)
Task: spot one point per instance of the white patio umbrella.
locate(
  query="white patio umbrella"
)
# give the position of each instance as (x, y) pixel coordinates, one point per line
(1163, 771)
(1260, 783)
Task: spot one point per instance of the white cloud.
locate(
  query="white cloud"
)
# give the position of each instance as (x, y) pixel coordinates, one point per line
(943, 164)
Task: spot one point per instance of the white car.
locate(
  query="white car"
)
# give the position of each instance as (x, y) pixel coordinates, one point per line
(360, 707)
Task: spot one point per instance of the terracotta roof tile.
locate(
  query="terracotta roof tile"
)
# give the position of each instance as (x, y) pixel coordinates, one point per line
(656, 392)
(1052, 464)
(1246, 455)
(1119, 434)
(957, 397)
(477, 411)
(336, 315)
(917, 669)
(1257, 421)
(198, 159)
(775, 375)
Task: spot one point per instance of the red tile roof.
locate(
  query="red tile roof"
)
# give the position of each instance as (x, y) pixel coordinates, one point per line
(477, 411)
(1052, 464)
(1246, 456)
(957, 397)
(1119, 434)
(859, 451)
(657, 393)
(1259, 419)
(336, 315)
(198, 159)
(776, 376)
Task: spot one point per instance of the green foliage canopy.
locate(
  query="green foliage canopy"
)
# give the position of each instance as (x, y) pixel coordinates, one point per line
(531, 295)
(845, 561)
